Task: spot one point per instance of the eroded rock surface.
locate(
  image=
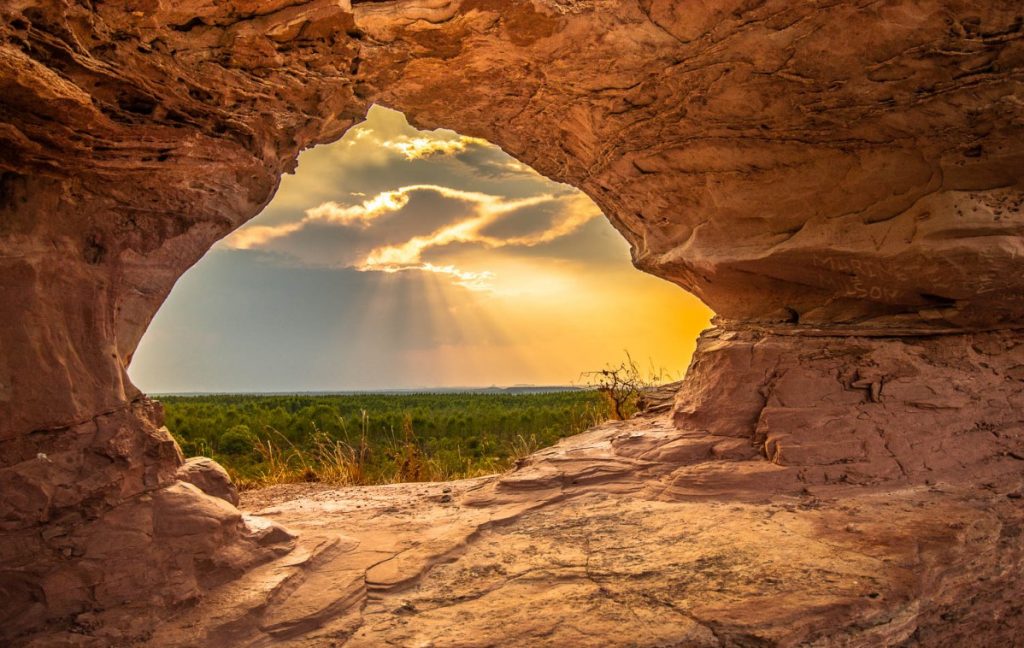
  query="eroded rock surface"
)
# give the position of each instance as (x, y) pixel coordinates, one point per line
(98, 533)
(640, 534)
(210, 477)
(838, 180)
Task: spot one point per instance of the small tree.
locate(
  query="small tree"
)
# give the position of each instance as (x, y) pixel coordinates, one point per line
(621, 386)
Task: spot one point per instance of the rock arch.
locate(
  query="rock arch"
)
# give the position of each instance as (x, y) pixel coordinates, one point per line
(841, 182)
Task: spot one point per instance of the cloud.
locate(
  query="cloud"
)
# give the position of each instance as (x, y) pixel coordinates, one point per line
(573, 211)
(362, 214)
(328, 212)
(254, 236)
(425, 146)
(477, 281)
(473, 225)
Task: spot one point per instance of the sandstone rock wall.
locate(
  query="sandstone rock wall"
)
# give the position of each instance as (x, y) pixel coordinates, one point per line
(811, 169)
(860, 410)
(834, 164)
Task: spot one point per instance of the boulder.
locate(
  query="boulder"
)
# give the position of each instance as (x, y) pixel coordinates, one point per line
(210, 477)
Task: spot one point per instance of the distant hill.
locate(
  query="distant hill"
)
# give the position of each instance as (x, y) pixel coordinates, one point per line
(494, 389)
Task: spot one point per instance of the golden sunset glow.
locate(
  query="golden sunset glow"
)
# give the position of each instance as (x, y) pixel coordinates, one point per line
(401, 258)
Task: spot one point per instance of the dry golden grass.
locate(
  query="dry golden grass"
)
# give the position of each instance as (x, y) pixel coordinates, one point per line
(349, 462)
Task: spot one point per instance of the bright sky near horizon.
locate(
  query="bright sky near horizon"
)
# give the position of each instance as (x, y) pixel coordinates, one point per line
(399, 258)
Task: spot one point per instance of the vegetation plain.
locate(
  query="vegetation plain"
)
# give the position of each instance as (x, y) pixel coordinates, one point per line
(354, 439)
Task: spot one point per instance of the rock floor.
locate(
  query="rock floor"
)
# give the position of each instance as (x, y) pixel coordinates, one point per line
(583, 546)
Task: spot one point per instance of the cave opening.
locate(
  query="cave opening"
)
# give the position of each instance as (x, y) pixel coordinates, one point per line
(426, 266)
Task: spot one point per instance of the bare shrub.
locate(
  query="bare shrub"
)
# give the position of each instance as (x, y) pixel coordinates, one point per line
(624, 384)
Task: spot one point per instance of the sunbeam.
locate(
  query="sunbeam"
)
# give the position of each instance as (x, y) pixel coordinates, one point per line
(414, 259)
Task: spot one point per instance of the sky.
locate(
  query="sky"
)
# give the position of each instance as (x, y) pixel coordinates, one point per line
(399, 259)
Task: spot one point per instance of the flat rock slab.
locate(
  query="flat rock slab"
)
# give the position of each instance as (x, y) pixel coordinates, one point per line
(618, 563)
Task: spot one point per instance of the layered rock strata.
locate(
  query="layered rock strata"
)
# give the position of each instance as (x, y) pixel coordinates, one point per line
(840, 181)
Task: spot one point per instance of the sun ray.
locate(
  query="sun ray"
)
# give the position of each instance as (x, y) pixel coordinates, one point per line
(455, 265)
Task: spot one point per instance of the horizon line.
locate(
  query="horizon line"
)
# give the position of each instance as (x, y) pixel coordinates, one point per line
(382, 390)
